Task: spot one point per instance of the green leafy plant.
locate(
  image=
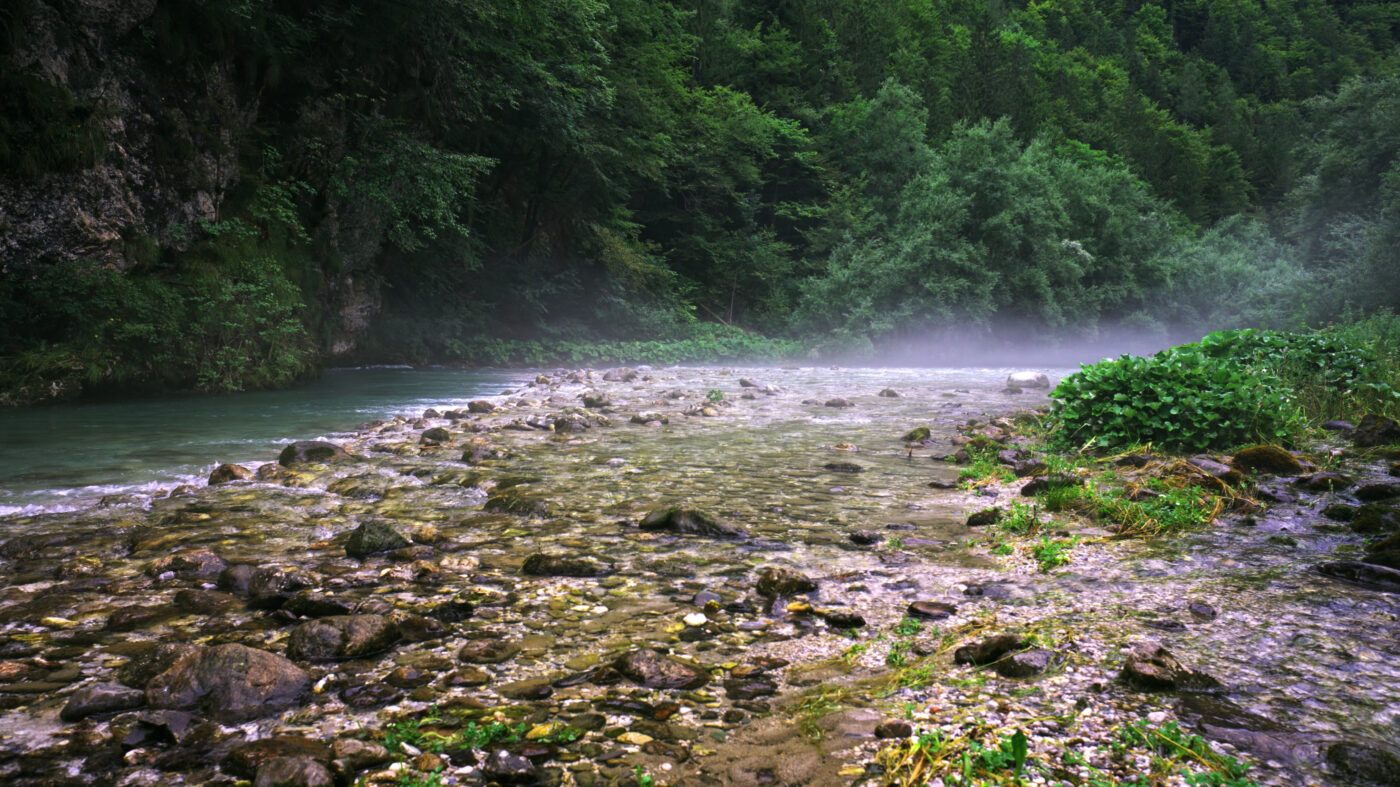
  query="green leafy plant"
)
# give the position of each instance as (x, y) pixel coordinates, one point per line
(714, 395)
(1051, 553)
(982, 467)
(908, 627)
(1192, 397)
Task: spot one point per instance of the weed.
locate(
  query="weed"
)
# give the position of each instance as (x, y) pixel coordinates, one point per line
(898, 654)
(714, 395)
(1052, 553)
(895, 543)
(1020, 519)
(908, 627)
(984, 466)
(643, 778)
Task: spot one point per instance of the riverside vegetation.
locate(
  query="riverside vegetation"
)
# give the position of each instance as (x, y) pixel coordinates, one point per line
(694, 576)
(223, 195)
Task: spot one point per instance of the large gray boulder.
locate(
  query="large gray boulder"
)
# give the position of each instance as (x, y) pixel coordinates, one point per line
(230, 684)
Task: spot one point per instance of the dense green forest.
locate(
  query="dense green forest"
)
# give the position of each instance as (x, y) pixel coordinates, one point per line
(508, 180)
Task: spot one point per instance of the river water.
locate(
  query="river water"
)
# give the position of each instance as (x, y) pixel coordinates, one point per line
(1305, 662)
(65, 456)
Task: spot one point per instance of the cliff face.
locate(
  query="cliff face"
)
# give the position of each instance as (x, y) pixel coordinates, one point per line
(131, 133)
(163, 143)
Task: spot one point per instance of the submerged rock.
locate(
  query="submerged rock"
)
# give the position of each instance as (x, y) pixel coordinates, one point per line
(890, 393)
(622, 374)
(195, 563)
(1369, 575)
(230, 684)
(101, 698)
(374, 537)
(1026, 664)
(691, 522)
(779, 581)
(920, 435)
(1151, 667)
(839, 402)
(341, 637)
(648, 668)
(488, 651)
(293, 772)
(311, 452)
(843, 467)
(542, 565)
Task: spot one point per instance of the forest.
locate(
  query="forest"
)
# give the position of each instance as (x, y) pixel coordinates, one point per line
(431, 181)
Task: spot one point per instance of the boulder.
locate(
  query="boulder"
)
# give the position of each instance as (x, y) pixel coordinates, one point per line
(374, 537)
(310, 452)
(1375, 430)
(648, 668)
(890, 393)
(1267, 459)
(1323, 482)
(690, 522)
(341, 637)
(1046, 483)
(245, 760)
(843, 467)
(622, 374)
(1028, 380)
(1374, 518)
(226, 474)
(650, 418)
(838, 402)
(1216, 470)
(515, 501)
(1151, 667)
(595, 400)
(230, 684)
(776, 581)
(542, 565)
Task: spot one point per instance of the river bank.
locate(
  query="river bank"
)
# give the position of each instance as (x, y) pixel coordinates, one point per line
(463, 578)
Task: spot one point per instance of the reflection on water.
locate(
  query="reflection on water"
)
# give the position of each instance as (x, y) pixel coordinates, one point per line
(69, 454)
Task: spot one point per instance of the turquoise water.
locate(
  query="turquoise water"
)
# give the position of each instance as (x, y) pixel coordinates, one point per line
(72, 455)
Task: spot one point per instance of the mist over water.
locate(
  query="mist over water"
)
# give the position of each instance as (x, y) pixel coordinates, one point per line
(1027, 347)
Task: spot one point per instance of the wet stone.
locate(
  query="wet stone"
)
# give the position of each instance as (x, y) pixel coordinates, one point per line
(843, 619)
(892, 728)
(468, 676)
(188, 564)
(931, 610)
(370, 695)
(1367, 575)
(1340, 512)
(1151, 667)
(1375, 430)
(533, 689)
(779, 581)
(435, 436)
(1323, 482)
(1201, 611)
(689, 521)
(293, 772)
(1267, 459)
(246, 759)
(843, 467)
(139, 617)
(228, 473)
(309, 452)
(648, 668)
(1025, 664)
(542, 565)
(985, 517)
(270, 587)
(374, 537)
(230, 683)
(839, 402)
(989, 650)
(1363, 765)
(488, 651)
(205, 602)
(148, 660)
(314, 604)
(341, 637)
(507, 768)
(1371, 493)
(864, 538)
(101, 698)
(408, 678)
(749, 688)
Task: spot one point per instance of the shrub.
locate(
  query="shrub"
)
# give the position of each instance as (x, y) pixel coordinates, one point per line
(1192, 397)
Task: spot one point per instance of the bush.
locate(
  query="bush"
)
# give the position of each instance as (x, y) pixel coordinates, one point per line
(1192, 397)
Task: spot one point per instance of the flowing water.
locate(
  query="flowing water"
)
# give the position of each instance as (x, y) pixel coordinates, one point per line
(1305, 662)
(67, 456)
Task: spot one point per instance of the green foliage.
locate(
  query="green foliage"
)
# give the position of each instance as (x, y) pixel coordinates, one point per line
(714, 395)
(1192, 397)
(1051, 553)
(983, 466)
(1020, 519)
(908, 627)
(1174, 751)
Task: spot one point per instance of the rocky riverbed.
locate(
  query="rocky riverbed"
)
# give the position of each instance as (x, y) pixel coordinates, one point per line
(683, 576)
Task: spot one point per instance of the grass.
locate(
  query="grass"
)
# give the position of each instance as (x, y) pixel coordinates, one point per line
(1051, 553)
(984, 467)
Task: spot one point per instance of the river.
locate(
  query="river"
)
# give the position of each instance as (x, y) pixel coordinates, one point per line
(809, 462)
